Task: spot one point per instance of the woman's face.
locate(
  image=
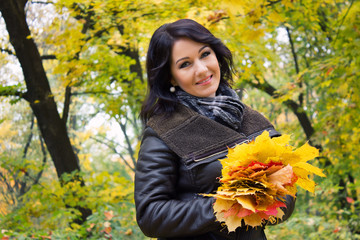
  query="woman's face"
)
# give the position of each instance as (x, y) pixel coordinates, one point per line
(195, 68)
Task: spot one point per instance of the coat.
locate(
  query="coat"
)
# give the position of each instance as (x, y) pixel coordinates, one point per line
(178, 160)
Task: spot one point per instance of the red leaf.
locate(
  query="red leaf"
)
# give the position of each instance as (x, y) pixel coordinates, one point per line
(233, 210)
(243, 212)
(272, 209)
(329, 71)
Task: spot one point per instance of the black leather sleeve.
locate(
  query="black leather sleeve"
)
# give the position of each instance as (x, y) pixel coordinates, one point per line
(159, 213)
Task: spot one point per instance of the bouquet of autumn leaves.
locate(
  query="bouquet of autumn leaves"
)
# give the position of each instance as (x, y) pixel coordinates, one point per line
(257, 176)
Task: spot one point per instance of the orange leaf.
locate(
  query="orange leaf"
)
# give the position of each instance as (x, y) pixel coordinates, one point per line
(108, 215)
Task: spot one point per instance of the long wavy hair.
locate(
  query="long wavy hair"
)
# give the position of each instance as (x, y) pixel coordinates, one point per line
(159, 98)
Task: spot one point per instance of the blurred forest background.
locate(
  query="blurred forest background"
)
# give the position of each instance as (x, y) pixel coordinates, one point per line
(72, 80)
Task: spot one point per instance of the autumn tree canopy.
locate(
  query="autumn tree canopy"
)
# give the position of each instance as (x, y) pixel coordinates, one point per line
(73, 78)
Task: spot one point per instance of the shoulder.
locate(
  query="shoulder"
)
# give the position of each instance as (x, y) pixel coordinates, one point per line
(149, 132)
(162, 123)
(150, 139)
(151, 143)
(252, 116)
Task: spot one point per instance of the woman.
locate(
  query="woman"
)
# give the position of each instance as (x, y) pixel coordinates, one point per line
(192, 116)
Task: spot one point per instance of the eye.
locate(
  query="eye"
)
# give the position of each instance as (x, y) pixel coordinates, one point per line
(205, 54)
(184, 64)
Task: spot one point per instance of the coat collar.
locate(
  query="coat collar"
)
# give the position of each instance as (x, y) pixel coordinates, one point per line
(191, 135)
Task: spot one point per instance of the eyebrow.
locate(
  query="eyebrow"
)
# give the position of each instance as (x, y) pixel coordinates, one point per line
(188, 57)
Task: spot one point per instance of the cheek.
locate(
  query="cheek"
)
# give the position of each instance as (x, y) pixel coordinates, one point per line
(183, 77)
(175, 76)
(215, 64)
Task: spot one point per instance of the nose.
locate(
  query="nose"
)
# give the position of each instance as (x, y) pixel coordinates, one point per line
(201, 68)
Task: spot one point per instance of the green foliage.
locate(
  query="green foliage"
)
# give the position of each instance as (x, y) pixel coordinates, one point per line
(48, 208)
(100, 47)
(317, 218)
(308, 51)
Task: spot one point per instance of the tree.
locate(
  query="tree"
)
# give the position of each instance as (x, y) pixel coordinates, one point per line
(38, 93)
(297, 58)
(312, 71)
(91, 52)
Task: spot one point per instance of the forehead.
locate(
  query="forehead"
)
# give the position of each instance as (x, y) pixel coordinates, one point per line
(185, 47)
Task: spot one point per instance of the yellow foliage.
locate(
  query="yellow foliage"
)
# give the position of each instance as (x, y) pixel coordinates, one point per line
(276, 17)
(256, 175)
(265, 149)
(7, 133)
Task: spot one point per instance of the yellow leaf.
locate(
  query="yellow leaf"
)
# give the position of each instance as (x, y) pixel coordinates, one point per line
(233, 222)
(234, 7)
(306, 184)
(280, 213)
(300, 172)
(247, 202)
(253, 220)
(222, 205)
(283, 140)
(288, 25)
(310, 168)
(307, 152)
(288, 4)
(275, 17)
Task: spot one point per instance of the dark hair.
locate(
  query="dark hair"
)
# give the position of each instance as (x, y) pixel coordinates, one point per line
(159, 98)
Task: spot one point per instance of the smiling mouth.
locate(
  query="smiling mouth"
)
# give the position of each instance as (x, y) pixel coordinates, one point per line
(205, 80)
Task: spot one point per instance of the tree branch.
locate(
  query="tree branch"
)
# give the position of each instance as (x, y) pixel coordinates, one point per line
(270, 3)
(135, 123)
(128, 142)
(115, 151)
(94, 92)
(296, 63)
(48, 57)
(219, 17)
(293, 50)
(23, 186)
(10, 92)
(323, 23)
(8, 186)
(66, 104)
(295, 108)
(41, 2)
(27, 145)
(43, 150)
(8, 51)
(342, 20)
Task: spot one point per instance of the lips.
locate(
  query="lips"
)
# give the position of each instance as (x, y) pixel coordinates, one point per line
(204, 81)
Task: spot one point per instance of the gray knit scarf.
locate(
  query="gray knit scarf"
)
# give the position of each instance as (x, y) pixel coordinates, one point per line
(224, 108)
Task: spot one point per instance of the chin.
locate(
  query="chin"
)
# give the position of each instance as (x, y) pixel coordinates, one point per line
(213, 94)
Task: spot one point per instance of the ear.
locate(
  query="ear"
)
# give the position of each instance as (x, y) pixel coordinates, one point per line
(173, 82)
